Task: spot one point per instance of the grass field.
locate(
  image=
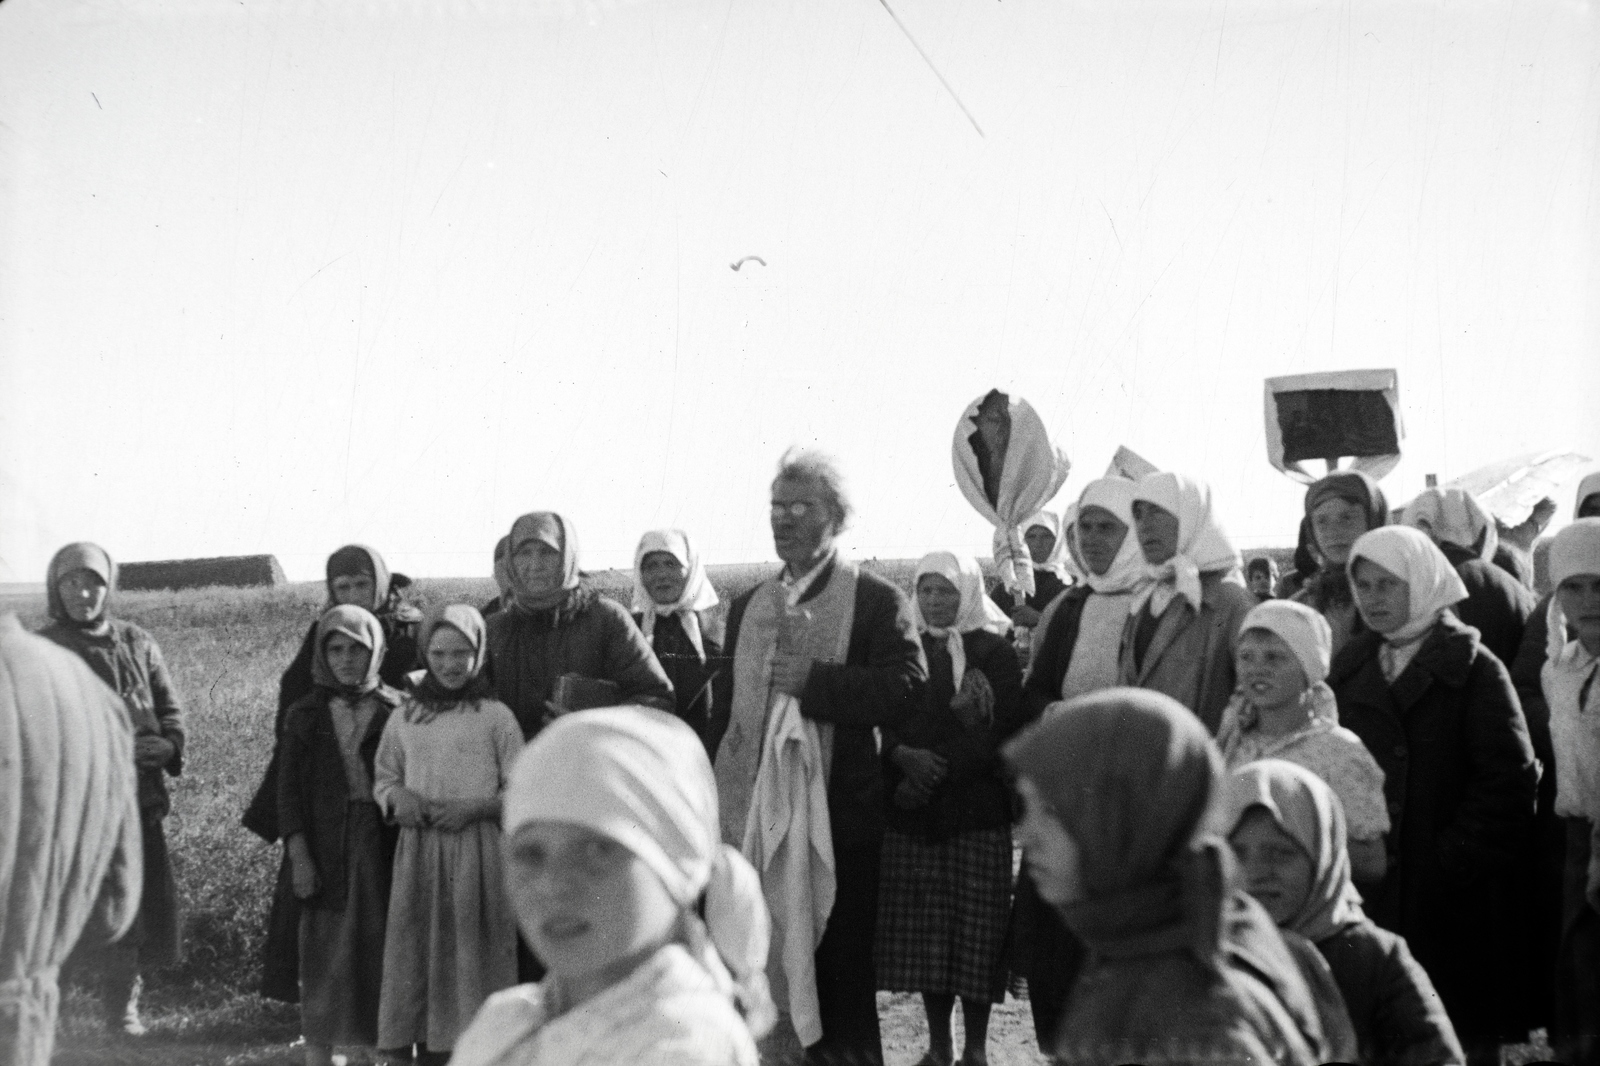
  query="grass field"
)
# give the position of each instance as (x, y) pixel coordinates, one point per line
(226, 648)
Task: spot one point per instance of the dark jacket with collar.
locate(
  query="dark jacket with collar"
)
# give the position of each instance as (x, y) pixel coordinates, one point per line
(1460, 778)
(973, 794)
(880, 683)
(312, 791)
(1498, 606)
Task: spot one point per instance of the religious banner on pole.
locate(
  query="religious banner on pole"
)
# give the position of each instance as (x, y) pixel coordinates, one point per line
(1334, 416)
(1008, 470)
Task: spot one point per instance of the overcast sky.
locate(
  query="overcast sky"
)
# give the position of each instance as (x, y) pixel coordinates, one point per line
(275, 276)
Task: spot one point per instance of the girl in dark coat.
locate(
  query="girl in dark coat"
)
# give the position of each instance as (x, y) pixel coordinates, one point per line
(356, 575)
(340, 849)
(78, 589)
(1438, 712)
(1287, 829)
(945, 887)
(1121, 792)
(1339, 509)
(556, 625)
(672, 605)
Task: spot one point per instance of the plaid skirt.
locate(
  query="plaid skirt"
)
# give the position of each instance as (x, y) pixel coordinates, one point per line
(943, 909)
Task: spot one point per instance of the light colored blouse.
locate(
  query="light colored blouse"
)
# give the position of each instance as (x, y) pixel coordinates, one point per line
(463, 753)
(671, 1011)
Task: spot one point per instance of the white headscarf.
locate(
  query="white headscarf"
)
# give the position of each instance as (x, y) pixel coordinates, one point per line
(1455, 517)
(977, 610)
(1057, 562)
(1305, 631)
(698, 595)
(1127, 570)
(1411, 555)
(641, 777)
(1203, 545)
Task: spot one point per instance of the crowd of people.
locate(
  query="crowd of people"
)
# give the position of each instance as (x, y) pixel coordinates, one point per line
(1343, 814)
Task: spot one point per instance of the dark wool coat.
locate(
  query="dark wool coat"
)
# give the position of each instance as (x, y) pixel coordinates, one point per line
(587, 635)
(702, 691)
(1396, 1013)
(880, 683)
(973, 794)
(1498, 606)
(1460, 778)
(128, 660)
(313, 792)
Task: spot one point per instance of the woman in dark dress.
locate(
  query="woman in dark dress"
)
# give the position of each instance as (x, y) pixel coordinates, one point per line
(78, 588)
(672, 605)
(945, 887)
(1047, 547)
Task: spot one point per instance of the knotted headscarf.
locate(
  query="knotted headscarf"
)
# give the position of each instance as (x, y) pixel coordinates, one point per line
(429, 696)
(1410, 555)
(1454, 516)
(1127, 570)
(1304, 807)
(1203, 545)
(977, 610)
(353, 559)
(79, 555)
(697, 596)
(1056, 563)
(1136, 781)
(641, 777)
(360, 625)
(1354, 487)
(552, 529)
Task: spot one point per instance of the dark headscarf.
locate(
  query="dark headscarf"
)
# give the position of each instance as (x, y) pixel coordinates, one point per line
(360, 625)
(353, 559)
(547, 527)
(502, 566)
(1136, 781)
(79, 555)
(1357, 488)
(469, 623)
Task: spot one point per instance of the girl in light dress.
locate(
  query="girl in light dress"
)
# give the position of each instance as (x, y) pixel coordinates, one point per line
(1284, 709)
(443, 762)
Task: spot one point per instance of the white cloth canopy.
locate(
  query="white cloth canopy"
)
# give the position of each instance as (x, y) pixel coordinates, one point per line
(1033, 472)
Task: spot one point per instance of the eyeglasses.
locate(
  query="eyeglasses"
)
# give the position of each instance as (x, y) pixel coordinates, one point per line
(797, 509)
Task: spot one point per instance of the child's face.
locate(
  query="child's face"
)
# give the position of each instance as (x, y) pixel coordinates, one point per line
(1580, 602)
(663, 577)
(1337, 524)
(451, 656)
(588, 905)
(354, 588)
(1269, 672)
(83, 594)
(1260, 583)
(1277, 870)
(1048, 849)
(1158, 530)
(1383, 598)
(348, 658)
(938, 600)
